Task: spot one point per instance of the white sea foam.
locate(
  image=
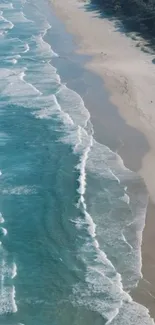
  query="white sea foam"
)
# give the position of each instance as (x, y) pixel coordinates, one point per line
(132, 313)
(14, 61)
(46, 107)
(47, 26)
(3, 230)
(18, 56)
(16, 86)
(27, 48)
(124, 239)
(79, 223)
(1, 218)
(19, 190)
(42, 22)
(7, 292)
(14, 47)
(45, 113)
(4, 23)
(6, 5)
(14, 271)
(43, 48)
(125, 198)
(11, 60)
(73, 104)
(14, 306)
(63, 115)
(21, 77)
(18, 17)
(7, 297)
(82, 168)
(44, 77)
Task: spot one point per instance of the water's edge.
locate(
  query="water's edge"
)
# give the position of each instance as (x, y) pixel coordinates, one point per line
(131, 157)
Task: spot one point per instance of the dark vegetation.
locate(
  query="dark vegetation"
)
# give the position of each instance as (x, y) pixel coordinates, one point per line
(136, 15)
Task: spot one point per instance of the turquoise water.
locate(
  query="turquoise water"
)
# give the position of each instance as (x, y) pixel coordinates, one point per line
(71, 214)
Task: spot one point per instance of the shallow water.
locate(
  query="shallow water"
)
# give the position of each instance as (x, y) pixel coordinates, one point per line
(71, 214)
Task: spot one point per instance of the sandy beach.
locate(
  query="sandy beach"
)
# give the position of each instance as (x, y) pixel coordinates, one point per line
(128, 73)
(129, 77)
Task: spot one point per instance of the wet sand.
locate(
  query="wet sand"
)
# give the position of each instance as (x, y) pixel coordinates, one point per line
(145, 292)
(128, 76)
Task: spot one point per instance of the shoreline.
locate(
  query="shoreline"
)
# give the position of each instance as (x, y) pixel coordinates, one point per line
(127, 89)
(145, 292)
(128, 73)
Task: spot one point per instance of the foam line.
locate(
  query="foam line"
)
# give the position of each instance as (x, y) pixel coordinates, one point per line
(4, 231)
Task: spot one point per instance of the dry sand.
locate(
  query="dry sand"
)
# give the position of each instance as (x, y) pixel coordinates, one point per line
(129, 76)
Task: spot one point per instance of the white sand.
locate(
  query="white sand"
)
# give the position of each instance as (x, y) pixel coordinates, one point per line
(128, 73)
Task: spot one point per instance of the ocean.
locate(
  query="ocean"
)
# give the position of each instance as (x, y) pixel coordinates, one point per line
(71, 213)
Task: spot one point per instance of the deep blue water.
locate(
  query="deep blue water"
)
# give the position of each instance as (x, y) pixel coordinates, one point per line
(70, 226)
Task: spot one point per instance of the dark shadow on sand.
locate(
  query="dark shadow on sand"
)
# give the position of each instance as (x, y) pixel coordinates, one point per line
(134, 25)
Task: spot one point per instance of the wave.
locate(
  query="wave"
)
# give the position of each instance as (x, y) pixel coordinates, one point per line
(74, 106)
(14, 47)
(101, 277)
(18, 17)
(135, 313)
(27, 48)
(44, 77)
(43, 49)
(3, 231)
(16, 87)
(8, 304)
(99, 271)
(7, 292)
(125, 198)
(19, 190)
(4, 23)
(14, 270)
(6, 5)
(14, 61)
(1, 218)
(110, 165)
(21, 77)
(7, 271)
(124, 239)
(100, 161)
